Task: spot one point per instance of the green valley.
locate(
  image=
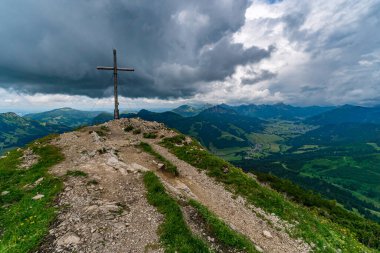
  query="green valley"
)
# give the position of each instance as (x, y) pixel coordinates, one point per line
(336, 159)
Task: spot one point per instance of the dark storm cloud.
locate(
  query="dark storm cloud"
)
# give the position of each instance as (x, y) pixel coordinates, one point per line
(258, 76)
(214, 62)
(54, 46)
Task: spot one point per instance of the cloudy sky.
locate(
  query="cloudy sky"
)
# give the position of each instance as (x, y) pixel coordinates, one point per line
(233, 51)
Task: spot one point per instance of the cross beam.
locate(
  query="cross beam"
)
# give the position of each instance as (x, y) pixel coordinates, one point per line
(115, 69)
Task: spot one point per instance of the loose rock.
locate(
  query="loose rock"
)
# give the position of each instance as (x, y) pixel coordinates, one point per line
(267, 234)
(38, 196)
(4, 193)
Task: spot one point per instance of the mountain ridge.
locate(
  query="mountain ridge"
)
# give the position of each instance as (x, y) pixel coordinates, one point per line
(116, 181)
(16, 131)
(65, 116)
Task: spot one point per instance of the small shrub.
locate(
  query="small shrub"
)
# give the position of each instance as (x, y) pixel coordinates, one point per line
(150, 135)
(169, 167)
(79, 128)
(137, 131)
(92, 182)
(100, 133)
(76, 173)
(102, 151)
(128, 128)
(105, 128)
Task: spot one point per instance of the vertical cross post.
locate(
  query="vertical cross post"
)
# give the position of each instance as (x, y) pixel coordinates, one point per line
(115, 69)
(116, 110)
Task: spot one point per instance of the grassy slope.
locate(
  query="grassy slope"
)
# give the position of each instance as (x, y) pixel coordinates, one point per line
(169, 167)
(222, 232)
(23, 221)
(367, 231)
(174, 233)
(352, 172)
(322, 233)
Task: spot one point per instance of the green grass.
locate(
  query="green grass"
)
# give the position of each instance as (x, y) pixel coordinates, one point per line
(150, 135)
(360, 174)
(230, 154)
(264, 138)
(169, 167)
(105, 128)
(76, 173)
(99, 132)
(324, 234)
(23, 221)
(222, 232)
(174, 233)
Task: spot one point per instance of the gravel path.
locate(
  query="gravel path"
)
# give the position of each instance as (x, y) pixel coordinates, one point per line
(233, 211)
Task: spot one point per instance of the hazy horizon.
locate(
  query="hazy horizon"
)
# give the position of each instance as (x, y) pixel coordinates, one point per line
(22, 112)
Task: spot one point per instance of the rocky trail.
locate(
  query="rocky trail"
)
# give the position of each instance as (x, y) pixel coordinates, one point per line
(105, 208)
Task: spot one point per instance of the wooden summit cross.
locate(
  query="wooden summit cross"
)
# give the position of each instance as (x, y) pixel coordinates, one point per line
(115, 69)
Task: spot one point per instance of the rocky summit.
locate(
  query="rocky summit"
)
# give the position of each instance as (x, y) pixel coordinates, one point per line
(107, 211)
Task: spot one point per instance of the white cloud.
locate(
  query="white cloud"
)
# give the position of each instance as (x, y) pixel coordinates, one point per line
(326, 51)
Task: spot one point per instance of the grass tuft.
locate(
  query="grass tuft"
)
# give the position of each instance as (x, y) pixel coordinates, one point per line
(169, 167)
(222, 232)
(150, 135)
(76, 173)
(105, 129)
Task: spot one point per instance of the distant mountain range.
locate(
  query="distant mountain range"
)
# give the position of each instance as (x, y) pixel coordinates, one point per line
(225, 126)
(216, 126)
(347, 114)
(278, 111)
(332, 150)
(189, 111)
(219, 126)
(16, 131)
(65, 116)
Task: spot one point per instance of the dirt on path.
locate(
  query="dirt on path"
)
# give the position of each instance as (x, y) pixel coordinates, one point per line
(107, 211)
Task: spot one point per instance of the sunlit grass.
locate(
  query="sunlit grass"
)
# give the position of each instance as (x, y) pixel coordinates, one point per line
(24, 221)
